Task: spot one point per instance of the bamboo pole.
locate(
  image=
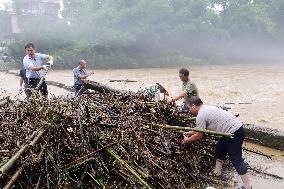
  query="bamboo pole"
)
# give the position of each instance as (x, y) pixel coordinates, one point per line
(195, 130)
(4, 151)
(80, 163)
(36, 139)
(191, 118)
(11, 161)
(14, 178)
(128, 167)
(26, 147)
(97, 182)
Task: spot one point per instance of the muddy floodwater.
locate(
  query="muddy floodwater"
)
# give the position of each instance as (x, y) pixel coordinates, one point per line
(255, 92)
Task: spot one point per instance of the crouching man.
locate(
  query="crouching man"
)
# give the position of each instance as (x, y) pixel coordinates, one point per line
(216, 119)
(80, 73)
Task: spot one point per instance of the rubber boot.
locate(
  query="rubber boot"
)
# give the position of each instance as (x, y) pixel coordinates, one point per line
(246, 181)
(218, 167)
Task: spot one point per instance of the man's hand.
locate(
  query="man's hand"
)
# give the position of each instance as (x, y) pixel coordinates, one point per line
(45, 67)
(189, 133)
(169, 100)
(50, 62)
(185, 140)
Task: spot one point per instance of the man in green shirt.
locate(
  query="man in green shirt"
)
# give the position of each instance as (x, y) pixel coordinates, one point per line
(188, 88)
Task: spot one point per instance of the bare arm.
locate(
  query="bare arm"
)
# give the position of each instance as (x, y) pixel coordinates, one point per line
(85, 76)
(35, 68)
(180, 96)
(195, 137)
(188, 133)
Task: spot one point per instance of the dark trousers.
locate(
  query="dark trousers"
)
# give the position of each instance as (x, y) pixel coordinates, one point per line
(79, 90)
(32, 84)
(232, 147)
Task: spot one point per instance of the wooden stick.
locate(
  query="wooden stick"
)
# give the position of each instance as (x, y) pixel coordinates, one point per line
(128, 167)
(258, 153)
(14, 178)
(195, 130)
(4, 151)
(264, 173)
(26, 147)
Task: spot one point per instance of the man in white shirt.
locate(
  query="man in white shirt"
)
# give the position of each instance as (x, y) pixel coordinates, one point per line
(216, 119)
(33, 64)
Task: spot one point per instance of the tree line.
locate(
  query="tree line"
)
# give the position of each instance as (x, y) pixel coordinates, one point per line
(143, 33)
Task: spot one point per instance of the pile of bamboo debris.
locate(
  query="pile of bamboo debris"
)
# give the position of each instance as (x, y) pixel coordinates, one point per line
(100, 140)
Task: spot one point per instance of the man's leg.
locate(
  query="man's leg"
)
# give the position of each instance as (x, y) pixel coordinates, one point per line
(77, 89)
(234, 148)
(30, 86)
(43, 89)
(27, 91)
(81, 91)
(220, 156)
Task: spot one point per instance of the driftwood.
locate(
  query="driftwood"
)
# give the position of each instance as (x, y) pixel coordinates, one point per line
(122, 80)
(99, 87)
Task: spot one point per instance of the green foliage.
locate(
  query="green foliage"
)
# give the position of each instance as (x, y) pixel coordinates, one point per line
(140, 33)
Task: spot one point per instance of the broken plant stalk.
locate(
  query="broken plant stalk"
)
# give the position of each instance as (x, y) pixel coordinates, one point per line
(194, 129)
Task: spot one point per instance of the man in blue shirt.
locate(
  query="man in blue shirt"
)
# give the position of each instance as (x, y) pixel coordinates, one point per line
(33, 64)
(80, 73)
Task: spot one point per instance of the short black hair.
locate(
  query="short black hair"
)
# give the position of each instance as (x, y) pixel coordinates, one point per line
(184, 71)
(28, 45)
(194, 100)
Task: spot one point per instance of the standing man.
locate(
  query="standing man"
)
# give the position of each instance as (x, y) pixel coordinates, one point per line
(188, 89)
(216, 119)
(33, 64)
(80, 73)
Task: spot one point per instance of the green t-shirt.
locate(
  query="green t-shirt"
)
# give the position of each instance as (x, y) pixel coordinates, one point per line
(190, 88)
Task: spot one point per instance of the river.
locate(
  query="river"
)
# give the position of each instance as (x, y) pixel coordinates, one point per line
(256, 92)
